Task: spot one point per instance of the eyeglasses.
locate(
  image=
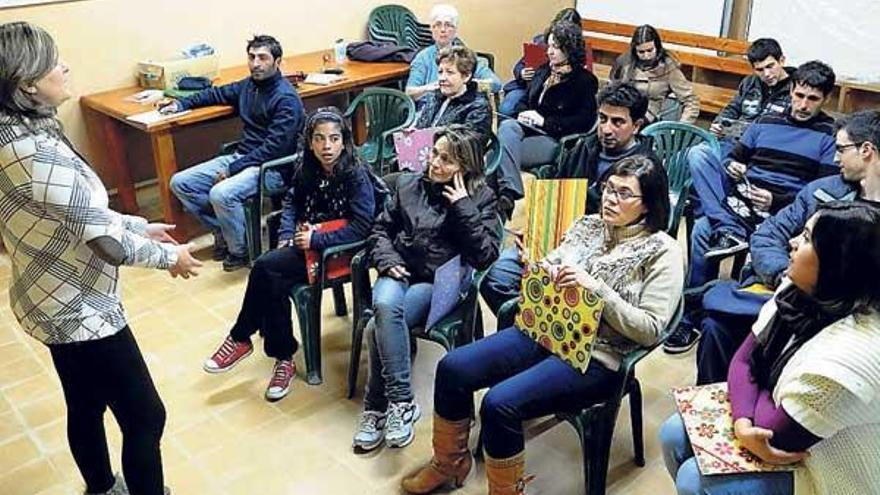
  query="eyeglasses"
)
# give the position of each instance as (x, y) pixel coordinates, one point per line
(840, 148)
(622, 195)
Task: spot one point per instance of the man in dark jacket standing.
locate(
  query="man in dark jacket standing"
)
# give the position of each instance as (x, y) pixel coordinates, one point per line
(272, 116)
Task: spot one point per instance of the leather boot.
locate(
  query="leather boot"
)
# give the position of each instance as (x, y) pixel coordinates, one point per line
(452, 459)
(507, 476)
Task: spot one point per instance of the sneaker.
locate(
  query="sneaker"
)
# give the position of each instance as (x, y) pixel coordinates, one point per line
(402, 416)
(118, 488)
(725, 244)
(219, 252)
(228, 355)
(282, 376)
(234, 262)
(682, 339)
(370, 431)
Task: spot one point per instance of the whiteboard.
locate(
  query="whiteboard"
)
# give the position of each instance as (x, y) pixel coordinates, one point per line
(844, 35)
(695, 16)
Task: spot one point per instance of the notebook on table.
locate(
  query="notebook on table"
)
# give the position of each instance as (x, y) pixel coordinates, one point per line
(563, 321)
(708, 420)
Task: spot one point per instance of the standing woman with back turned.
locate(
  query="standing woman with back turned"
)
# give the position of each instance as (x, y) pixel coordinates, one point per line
(657, 74)
(65, 247)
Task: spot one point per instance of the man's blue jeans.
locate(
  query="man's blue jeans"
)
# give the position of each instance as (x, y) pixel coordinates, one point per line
(703, 157)
(682, 466)
(511, 100)
(220, 206)
(502, 282)
(712, 185)
(398, 307)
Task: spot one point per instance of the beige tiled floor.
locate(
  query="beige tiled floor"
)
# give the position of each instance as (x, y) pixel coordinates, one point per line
(223, 438)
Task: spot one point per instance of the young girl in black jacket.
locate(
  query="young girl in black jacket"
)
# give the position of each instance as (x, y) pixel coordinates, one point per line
(329, 183)
(444, 212)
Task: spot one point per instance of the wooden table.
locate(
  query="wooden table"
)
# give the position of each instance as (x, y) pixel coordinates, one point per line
(111, 110)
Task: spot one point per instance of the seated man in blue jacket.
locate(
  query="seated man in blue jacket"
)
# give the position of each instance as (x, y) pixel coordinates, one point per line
(778, 155)
(272, 116)
(732, 307)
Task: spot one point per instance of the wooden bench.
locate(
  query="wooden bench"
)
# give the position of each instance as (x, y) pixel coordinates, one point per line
(714, 65)
(715, 73)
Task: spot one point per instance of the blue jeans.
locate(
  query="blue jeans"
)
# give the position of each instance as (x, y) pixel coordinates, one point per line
(701, 157)
(502, 282)
(526, 381)
(518, 151)
(398, 307)
(220, 206)
(511, 100)
(712, 185)
(682, 466)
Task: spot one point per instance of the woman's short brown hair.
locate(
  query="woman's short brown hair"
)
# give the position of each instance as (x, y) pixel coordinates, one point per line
(27, 54)
(464, 58)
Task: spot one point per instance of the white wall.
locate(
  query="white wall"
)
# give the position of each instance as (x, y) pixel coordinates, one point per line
(845, 34)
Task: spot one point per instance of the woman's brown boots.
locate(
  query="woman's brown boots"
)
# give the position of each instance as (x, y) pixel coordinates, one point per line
(507, 476)
(452, 459)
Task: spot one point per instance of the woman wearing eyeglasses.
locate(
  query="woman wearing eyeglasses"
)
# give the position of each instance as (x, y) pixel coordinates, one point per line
(423, 70)
(621, 254)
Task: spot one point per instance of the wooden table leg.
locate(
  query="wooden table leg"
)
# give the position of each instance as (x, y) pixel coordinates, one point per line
(165, 162)
(118, 163)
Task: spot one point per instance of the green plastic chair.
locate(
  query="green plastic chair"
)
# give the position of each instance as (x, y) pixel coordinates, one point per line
(307, 304)
(566, 145)
(595, 424)
(463, 325)
(672, 140)
(399, 25)
(386, 111)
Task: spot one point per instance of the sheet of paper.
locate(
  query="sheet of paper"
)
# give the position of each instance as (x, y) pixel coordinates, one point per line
(154, 116)
(322, 79)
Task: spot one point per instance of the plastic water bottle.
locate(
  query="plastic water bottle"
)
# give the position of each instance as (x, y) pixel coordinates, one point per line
(339, 51)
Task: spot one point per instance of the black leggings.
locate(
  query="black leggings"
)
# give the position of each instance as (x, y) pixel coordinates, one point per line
(111, 372)
(266, 304)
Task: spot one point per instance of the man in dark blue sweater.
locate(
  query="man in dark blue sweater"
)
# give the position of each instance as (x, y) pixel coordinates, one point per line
(272, 116)
(776, 157)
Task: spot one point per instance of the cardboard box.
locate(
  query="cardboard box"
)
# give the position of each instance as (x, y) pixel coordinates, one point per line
(164, 75)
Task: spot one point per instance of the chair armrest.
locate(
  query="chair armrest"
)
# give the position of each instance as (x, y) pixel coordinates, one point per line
(507, 313)
(331, 251)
